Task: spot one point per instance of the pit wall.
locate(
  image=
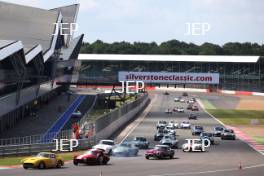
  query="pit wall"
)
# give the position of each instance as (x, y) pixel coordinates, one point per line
(107, 125)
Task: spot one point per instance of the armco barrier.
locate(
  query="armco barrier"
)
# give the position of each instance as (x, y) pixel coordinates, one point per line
(31, 149)
(59, 124)
(108, 124)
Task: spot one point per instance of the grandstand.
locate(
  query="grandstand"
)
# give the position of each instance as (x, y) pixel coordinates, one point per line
(243, 73)
(32, 59)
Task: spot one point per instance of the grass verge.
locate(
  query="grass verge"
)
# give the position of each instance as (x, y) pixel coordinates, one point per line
(237, 117)
(259, 139)
(16, 160)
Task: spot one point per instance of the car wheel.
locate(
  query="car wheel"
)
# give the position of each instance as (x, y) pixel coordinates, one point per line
(59, 164)
(100, 160)
(41, 165)
(75, 163)
(147, 157)
(25, 167)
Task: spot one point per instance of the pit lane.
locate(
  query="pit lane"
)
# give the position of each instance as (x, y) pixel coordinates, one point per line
(222, 159)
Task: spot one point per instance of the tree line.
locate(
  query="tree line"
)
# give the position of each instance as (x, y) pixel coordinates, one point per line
(173, 47)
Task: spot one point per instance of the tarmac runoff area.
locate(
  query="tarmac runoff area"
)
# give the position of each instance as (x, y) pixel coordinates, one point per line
(229, 158)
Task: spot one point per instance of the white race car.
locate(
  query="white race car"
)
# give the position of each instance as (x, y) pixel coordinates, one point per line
(173, 124)
(182, 100)
(185, 124)
(176, 99)
(180, 109)
(106, 145)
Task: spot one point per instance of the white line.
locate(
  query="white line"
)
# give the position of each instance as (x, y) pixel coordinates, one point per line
(212, 171)
(141, 119)
(201, 104)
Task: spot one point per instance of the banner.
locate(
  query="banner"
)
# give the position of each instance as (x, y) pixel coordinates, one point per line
(170, 77)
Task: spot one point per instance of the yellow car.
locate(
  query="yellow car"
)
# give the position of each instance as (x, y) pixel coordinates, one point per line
(43, 160)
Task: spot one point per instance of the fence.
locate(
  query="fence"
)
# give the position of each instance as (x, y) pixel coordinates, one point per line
(107, 119)
(31, 149)
(33, 139)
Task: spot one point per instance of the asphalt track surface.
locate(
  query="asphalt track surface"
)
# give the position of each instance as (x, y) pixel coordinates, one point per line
(221, 160)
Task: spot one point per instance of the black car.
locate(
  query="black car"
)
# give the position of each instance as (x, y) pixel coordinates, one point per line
(141, 142)
(218, 131)
(159, 134)
(197, 130)
(161, 124)
(192, 117)
(166, 93)
(189, 107)
(228, 134)
(209, 136)
(184, 94)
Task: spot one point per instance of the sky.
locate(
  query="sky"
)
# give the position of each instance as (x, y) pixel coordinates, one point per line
(161, 20)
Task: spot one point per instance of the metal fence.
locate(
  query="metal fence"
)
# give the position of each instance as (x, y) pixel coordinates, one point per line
(31, 149)
(107, 119)
(33, 139)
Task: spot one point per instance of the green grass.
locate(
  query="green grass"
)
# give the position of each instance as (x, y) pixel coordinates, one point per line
(237, 117)
(16, 160)
(207, 104)
(259, 139)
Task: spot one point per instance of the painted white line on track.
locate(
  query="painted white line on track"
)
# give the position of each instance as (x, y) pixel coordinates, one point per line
(210, 171)
(139, 120)
(201, 104)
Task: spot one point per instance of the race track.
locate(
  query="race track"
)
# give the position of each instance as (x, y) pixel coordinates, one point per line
(221, 160)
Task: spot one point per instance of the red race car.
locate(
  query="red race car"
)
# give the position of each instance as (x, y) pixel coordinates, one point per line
(195, 108)
(160, 152)
(93, 156)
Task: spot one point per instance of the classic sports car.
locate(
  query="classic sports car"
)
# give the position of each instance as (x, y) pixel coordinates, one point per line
(189, 107)
(105, 145)
(125, 149)
(169, 140)
(43, 160)
(197, 130)
(166, 93)
(160, 152)
(92, 156)
(185, 124)
(209, 136)
(173, 124)
(161, 124)
(192, 117)
(141, 142)
(177, 99)
(185, 94)
(159, 134)
(195, 108)
(228, 134)
(218, 131)
(191, 101)
(180, 109)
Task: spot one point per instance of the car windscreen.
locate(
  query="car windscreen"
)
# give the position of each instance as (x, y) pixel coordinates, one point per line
(107, 142)
(46, 155)
(161, 148)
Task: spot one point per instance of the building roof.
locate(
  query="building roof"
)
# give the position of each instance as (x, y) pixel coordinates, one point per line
(30, 25)
(168, 58)
(33, 28)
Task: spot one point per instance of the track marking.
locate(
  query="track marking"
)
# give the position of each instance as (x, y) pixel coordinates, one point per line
(249, 144)
(138, 121)
(210, 171)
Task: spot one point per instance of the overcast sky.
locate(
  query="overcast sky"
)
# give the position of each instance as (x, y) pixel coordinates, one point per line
(162, 20)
